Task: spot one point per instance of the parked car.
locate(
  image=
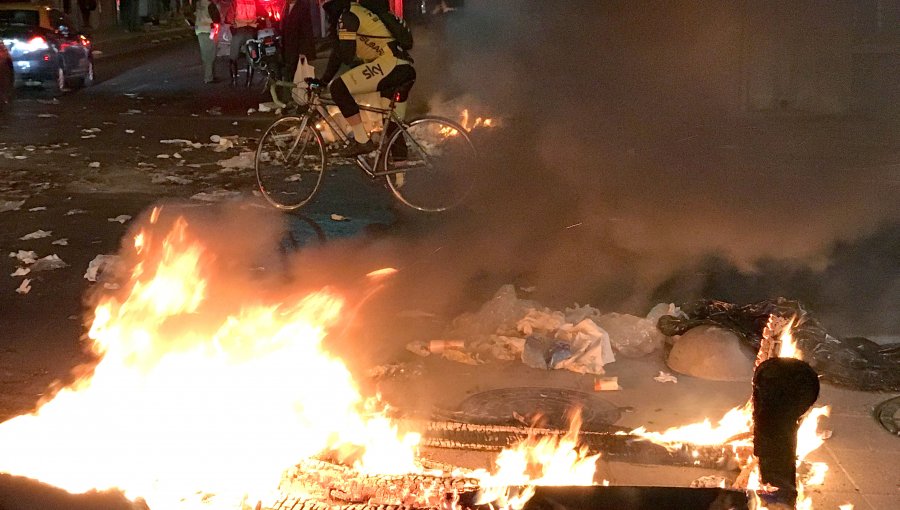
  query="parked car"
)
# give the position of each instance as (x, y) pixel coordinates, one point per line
(7, 78)
(45, 47)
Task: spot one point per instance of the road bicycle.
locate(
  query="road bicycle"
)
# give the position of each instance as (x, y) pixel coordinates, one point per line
(427, 163)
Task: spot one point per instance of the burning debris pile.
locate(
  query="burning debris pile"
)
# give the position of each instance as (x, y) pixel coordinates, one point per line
(206, 396)
(320, 485)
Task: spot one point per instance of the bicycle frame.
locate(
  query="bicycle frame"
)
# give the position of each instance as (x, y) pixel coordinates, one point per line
(318, 105)
(317, 109)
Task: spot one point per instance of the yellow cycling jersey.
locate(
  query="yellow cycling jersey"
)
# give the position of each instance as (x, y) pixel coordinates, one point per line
(363, 26)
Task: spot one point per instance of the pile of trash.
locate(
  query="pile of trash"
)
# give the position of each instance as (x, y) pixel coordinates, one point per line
(580, 339)
(854, 362)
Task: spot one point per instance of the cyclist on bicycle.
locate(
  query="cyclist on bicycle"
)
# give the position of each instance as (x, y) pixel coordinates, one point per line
(386, 67)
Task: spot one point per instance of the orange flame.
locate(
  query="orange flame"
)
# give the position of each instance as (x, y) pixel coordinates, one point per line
(550, 460)
(734, 430)
(191, 394)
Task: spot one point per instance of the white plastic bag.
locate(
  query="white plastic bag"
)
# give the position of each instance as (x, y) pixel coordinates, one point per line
(304, 70)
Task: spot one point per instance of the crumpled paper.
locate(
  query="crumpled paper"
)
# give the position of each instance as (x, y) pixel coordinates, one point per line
(11, 205)
(25, 257)
(24, 287)
(216, 195)
(244, 160)
(665, 377)
(37, 234)
(590, 347)
(540, 321)
(497, 329)
(48, 263)
(100, 265)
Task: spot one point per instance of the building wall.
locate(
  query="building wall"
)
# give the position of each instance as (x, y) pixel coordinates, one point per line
(815, 56)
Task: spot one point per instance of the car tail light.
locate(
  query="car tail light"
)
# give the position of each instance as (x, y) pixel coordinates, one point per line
(36, 43)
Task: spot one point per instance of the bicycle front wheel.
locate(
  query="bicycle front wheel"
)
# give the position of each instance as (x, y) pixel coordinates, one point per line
(430, 165)
(290, 163)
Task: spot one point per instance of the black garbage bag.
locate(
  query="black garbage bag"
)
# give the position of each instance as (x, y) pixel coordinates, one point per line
(856, 362)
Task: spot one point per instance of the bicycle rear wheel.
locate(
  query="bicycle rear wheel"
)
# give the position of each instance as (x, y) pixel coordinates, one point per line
(430, 165)
(290, 163)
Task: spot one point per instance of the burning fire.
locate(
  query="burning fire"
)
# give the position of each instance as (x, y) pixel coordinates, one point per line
(199, 402)
(191, 394)
(545, 461)
(469, 124)
(734, 431)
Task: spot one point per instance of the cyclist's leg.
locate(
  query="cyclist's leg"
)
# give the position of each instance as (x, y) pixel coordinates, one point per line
(361, 79)
(400, 80)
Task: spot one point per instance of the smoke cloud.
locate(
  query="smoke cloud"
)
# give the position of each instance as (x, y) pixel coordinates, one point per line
(632, 155)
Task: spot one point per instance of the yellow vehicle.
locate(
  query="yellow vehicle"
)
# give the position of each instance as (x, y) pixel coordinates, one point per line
(45, 47)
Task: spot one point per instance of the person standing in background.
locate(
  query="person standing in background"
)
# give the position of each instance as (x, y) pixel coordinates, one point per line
(296, 36)
(86, 7)
(242, 30)
(206, 13)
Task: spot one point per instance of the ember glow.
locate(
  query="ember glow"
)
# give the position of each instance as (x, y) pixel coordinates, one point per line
(469, 124)
(195, 396)
(548, 461)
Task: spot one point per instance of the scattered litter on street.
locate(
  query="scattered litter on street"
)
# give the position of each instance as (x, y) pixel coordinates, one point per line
(26, 257)
(94, 164)
(48, 263)
(122, 218)
(61, 242)
(216, 196)
(37, 234)
(21, 271)
(35, 209)
(507, 328)
(338, 217)
(665, 377)
(163, 156)
(72, 212)
(129, 131)
(607, 384)
(11, 205)
(100, 265)
(244, 160)
(24, 287)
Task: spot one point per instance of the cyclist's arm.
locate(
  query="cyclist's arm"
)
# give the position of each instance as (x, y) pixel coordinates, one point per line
(344, 50)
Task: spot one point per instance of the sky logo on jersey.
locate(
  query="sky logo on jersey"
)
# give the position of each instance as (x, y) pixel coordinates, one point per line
(372, 71)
